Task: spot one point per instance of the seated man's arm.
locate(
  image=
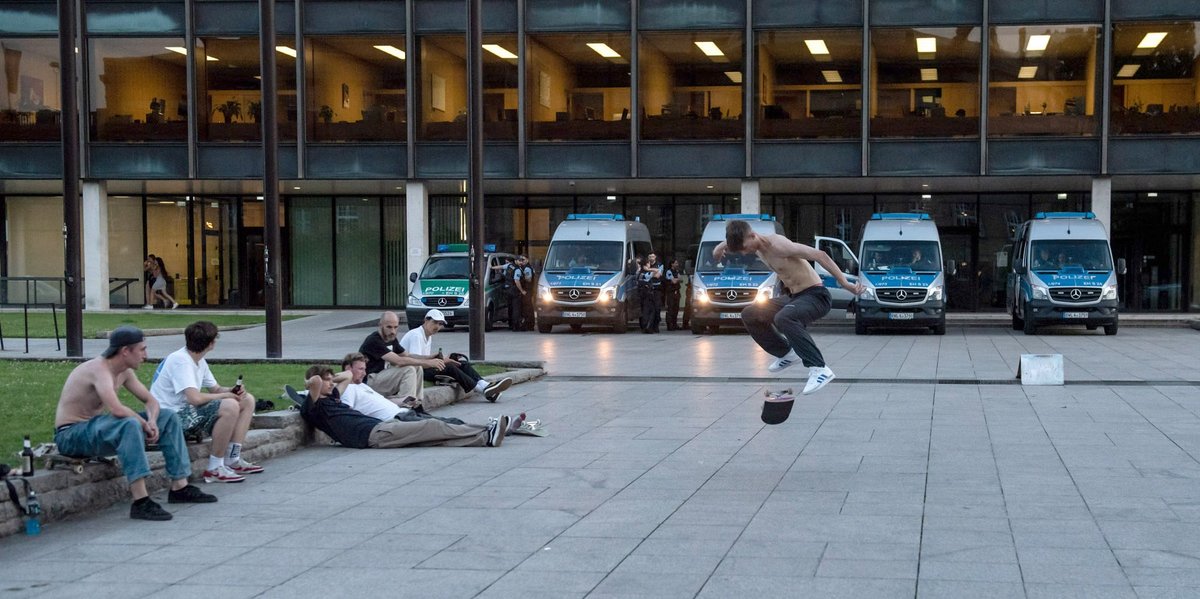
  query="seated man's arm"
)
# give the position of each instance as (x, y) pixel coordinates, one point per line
(197, 397)
(108, 398)
(407, 359)
(143, 394)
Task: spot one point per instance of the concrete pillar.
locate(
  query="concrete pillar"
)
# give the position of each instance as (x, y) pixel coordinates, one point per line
(751, 199)
(1102, 202)
(416, 207)
(95, 245)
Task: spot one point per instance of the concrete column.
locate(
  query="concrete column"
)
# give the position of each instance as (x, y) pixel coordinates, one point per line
(751, 200)
(1102, 202)
(416, 207)
(95, 245)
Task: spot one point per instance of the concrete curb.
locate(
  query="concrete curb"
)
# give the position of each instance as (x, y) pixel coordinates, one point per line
(63, 493)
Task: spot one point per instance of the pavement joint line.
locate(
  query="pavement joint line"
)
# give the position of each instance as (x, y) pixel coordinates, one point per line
(578, 378)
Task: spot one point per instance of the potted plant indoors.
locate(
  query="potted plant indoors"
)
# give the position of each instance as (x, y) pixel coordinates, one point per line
(230, 109)
(255, 111)
(326, 113)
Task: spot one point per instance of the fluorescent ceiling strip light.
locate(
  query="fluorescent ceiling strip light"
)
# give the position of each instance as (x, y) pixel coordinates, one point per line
(832, 76)
(734, 76)
(1152, 40)
(1027, 72)
(285, 50)
(1037, 43)
(183, 51)
(500, 51)
(926, 45)
(394, 51)
(929, 75)
(817, 47)
(709, 49)
(1128, 70)
(604, 50)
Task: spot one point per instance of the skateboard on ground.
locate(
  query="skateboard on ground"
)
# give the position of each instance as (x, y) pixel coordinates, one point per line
(777, 405)
(75, 463)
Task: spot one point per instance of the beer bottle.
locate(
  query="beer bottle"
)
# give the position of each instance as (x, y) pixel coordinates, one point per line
(27, 459)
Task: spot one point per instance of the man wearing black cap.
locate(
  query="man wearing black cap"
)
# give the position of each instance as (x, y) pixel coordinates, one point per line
(82, 427)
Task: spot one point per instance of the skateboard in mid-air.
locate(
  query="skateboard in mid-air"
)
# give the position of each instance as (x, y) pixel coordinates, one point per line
(777, 405)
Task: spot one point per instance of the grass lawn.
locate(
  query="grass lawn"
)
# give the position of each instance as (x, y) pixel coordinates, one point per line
(41, 324)
(34, 388)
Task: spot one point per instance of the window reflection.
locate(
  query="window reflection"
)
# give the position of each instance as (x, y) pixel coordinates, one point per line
(1046, 72)
(356, 88)
(926, 82)
(1156, 84)
(30, 108)
(442, 85)
(579, 86)
(231, 86)
(690, 85)
(138, 89)
(809, 84)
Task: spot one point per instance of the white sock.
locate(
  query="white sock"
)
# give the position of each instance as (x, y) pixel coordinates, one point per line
(214, 462)
(234, 454)
(480, 386)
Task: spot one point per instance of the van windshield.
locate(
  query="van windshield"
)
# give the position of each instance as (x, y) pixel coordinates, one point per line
(600, 256)
(446, 267)
(883, 256)
(1054, 254)
(706, 264)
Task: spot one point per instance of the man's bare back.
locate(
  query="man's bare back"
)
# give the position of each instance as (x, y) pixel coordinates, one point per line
(80, 399)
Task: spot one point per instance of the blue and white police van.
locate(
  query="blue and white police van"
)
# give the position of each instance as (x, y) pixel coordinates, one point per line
(721, 289)
(902, 272)
(444, 283)
(1063, 273)
(586, 277)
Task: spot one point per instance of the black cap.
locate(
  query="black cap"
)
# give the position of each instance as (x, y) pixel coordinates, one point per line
(121, 337)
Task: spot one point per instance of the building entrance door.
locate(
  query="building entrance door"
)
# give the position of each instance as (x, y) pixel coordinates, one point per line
(962, 287)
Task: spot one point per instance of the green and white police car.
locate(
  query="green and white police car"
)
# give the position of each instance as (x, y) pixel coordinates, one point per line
(443, 283)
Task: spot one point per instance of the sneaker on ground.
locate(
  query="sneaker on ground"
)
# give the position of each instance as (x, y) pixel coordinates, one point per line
(148, 510)
(222, 475)
(174, 305)
(496, 431)
(818, 376)
(495, 388)
(784, 362)
(515, 423)
(243, 467)
(190, 494)
(148, 307)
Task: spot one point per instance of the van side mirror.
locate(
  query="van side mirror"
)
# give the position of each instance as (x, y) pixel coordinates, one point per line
(688, 266)
(412, 277)
(951, 268)
(1121, 269)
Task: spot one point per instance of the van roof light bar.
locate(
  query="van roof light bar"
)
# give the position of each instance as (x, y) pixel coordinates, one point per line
(900, 216)
(766, 217)
(613, 217)
(1047, 215)
(443, 248)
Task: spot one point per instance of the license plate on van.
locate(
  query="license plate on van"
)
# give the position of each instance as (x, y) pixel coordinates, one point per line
(574, 314)
(901, 315)
(731, 315)
(447, 312)
(1075, 314)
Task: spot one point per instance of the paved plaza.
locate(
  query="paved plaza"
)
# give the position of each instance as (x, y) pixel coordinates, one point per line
(922, 471)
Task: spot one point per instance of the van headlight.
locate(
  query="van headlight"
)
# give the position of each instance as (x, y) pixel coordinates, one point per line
(935, 292)
(607, 294)
(544, 293)
(1109, 292)
(413, 300)
(1040, 292)
(764, 295)
(868, 293)
(700, 294)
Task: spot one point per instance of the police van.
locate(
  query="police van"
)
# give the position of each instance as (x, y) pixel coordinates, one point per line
(902, 272)
(1062, 273)
(721, 289)
(444, 281)
(586, 277)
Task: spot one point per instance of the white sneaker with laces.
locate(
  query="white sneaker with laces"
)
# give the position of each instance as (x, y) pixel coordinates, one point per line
(784, 362)
(818, 377)
(222, 474)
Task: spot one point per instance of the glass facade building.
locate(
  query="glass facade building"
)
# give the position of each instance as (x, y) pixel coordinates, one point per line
(980, 112)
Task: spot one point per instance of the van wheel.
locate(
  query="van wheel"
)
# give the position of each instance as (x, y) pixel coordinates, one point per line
(1110, 329)
(697, 329)
(1028, 325)
(714, 329)
(860, 327)
(939, 329)
(488, 325)
(621, 322)
(1017, 323)
(544, 327)
(575, 328)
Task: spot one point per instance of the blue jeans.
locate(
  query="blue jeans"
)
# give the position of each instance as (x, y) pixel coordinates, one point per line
(106, 435)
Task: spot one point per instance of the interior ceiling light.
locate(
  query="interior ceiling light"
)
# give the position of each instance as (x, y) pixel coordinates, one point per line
(734, 76)
(1037, 43)
(500, 51)
(817, 47)
(929, 75)
(1027, 72)
(832, 76)
(1152, 40)
(926, 45)
(394, 51)
(1128, 70)
(709, 49)
(183, 51)
(1062, 196)
(285, 50)
(604, 50)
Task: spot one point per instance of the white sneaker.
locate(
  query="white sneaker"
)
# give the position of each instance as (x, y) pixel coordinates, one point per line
(784, 362)
(818, 377)
(148, 307)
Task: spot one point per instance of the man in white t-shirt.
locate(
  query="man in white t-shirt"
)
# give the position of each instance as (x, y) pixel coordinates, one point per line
(418, 343)
(184, 383)
(355, 393)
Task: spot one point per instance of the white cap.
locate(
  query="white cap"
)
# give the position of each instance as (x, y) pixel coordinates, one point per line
(436, 315)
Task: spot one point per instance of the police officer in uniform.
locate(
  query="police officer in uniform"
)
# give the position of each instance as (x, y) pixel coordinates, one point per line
(650, 291)
(516, 293)
(671, 278)
(527, 277)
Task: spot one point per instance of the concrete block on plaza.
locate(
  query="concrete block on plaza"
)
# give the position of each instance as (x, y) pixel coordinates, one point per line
(1041, 369)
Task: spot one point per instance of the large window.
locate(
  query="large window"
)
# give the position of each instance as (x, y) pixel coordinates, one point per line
(30, 107)
(442, 88)
(1156, 83)
(1043, 80)
(810, 84)
(137, 89)
(925, 82)
(231, 87)
(690, 85)
(578, 86)
(356, 88)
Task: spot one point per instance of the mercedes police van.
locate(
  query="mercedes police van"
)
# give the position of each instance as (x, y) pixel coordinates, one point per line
(902, 272)
(1062, 273)
(585, 278)
(721, 289)
(444, 281)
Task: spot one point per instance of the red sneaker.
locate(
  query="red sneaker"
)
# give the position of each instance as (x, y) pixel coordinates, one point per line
(243, 467)
(222, 475)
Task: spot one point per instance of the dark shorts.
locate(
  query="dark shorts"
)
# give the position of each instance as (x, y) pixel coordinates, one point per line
(199, 420)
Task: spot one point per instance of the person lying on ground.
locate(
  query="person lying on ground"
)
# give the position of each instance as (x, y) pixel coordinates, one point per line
(360, 396)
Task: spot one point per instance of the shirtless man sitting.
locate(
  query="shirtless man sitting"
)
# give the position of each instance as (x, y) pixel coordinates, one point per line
(780, 326)
(83, 429)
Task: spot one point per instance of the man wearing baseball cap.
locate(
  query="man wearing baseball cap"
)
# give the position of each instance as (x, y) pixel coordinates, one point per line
(418, 343)
(82, 428)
